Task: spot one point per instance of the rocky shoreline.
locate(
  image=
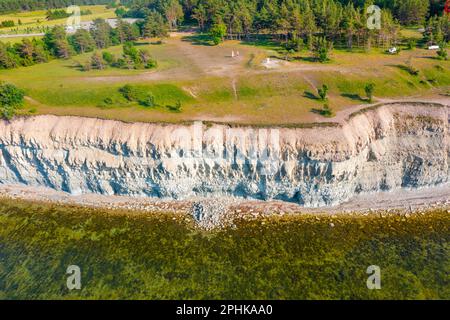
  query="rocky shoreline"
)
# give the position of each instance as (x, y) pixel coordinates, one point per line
(221, 212)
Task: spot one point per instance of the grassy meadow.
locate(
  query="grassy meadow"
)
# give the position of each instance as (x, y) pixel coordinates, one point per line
(124, 255)
(213, 86)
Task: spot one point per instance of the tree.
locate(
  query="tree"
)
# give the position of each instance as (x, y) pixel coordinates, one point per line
(40, 55)
(97, 61)
(442, 52)
(369, 88)
(7, 58)
(130, 51)
(11, 98)
(146, 60)
(125, 31)
(82, 41)
(322, 49)
(200, 14)
(218, 32)
(412, 12)
(56, 42)
(154, 26)
(101, 32)
(323, 92)
(62, 49)
(25, 49)
(173, 12)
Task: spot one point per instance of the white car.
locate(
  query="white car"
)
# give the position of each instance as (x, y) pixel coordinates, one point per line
(433, 48)
(393, 50)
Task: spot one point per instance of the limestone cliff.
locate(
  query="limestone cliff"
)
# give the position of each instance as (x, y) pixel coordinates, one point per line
(382, 148)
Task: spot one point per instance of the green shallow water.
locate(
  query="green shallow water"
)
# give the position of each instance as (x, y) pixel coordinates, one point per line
(125, 256)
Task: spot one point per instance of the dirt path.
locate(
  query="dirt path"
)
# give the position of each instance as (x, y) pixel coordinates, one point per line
(343, 115)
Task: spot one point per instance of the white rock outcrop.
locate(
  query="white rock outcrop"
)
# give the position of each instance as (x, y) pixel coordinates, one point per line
(384, 148)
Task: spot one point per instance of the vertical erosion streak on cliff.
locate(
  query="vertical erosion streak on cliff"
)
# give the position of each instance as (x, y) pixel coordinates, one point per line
(383, 148)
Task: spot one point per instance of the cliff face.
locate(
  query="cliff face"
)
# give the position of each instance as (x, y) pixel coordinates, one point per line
(389, 147)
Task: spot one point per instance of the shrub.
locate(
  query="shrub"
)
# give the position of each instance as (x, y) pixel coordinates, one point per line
(108, 101)
(411, 69)
(323, 92)
(218, 32)
(97, 62)
(442, 52)
(137, 94)
(151, 64)
(147, 101)
(295, 45)
(109, 58)
(176, 108)
(326, 111)
(7, 24)
(131, 93)
(411, 44)
(369, 88)
(322, 48)
(11, 98)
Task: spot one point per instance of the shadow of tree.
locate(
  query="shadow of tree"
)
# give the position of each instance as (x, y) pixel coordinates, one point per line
(354, 96)
(263, 41)
(198, 40)
(323, 112)
(310, 95)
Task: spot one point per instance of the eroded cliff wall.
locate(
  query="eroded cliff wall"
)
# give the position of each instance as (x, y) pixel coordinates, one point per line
(389, 147)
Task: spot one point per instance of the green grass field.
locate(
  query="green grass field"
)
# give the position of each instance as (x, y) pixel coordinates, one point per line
(33, 20)
(126, 255)
(212, 86)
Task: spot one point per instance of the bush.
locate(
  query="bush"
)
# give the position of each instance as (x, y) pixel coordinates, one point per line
(442, 52)
(322, 48)
(411, 44)
(369, 88)
(151, 64)
(147, 101)
(176, 108)
(7, 24)
(97, 62)
(108, 101)
(326, 111)
(323, 92)
(411, 69)
(217, 33)
(131, 93)
(139, 95)
(109, 58)
(295, 45)
(11, 98)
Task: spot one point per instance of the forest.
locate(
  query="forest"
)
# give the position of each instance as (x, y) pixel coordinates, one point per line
(58, 44)
(342, 22)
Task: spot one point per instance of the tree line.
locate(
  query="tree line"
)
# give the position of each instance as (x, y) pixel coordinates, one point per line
(343, 22)
(56, 43)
